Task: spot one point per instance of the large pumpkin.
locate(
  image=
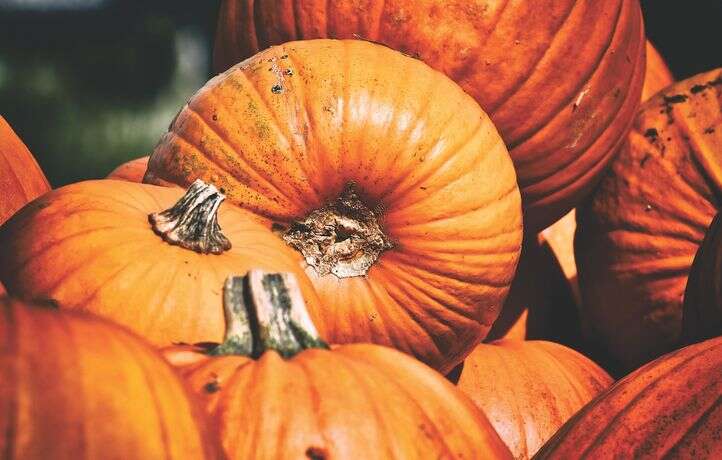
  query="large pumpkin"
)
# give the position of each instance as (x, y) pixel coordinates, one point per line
(132, 171)
(73, 386)
(561, 79)
(670, 408)
(89, 246)
(639, 232)
(275, 390)
(390, 180)
(21, 179)
(528, 389)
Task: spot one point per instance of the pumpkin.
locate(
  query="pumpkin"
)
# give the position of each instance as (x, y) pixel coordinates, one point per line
(657, 75)
(702, 308)
(528, 389)
(639, 232)
(561, 86)
(385, 175)
(73, 386)
(131, 171)
(21, 179)
(89, 246)
(670, 408)
(276, 390)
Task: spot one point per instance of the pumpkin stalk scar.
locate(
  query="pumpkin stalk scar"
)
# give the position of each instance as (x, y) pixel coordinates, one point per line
(192, 223)
(343, 237)
(266, 311)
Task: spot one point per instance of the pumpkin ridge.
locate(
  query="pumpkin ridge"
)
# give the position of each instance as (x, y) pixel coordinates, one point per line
(600, 436)
(11, 338)
(701, 419)
(564, 372)
(314, 397)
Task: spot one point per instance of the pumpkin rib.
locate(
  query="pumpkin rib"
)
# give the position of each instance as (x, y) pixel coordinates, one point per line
(521, 418)
(700, 420)
(563, 371)
(648, 388)
(314, 398)
(11, 368)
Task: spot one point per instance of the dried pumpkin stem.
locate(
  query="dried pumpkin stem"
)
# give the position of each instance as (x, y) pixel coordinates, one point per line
(266, 311)
(192, 222)
(344, 237)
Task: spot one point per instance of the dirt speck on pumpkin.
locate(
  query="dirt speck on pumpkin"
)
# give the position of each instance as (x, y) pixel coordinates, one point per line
(277, 89)
(316, 453)
(651, 133)
(675, 99)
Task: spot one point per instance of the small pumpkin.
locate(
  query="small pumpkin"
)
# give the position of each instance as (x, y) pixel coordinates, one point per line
(702, 308)
(90, 246)
(528, 389)
(275, 390)
(73, 386)
(21, 179)
(131, 171)
(387, 177)
(670, 408)
(561, 86)
(639, 232)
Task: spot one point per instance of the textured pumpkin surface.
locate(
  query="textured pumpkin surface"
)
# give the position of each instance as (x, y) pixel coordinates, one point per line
(356, 401)
(639, 233)
(89, 246)
(702, 309)
(670, 408)
(21, 179)
(132, 171)
(561, 86)
(657, 76)
(528, 389)
(286, 131)
(75, 387)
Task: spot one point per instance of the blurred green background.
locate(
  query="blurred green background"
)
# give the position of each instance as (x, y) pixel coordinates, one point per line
(89, 84)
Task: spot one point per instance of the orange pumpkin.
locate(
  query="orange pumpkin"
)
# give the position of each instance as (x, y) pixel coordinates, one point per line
(702, 308)
(131, 171)
(670, 408)
(561, 86)
(73, 386)
(390, 180)
(638, 234)
(89, 246)
(275, 390)
(21, 179)
(657, 76)
(528, 389)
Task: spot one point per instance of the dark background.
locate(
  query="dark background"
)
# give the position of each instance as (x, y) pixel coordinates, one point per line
(89, 84)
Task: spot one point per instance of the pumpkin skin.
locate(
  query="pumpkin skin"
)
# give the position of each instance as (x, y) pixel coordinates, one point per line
(639, 232)
(528, 389)
(421, 153)
(73, 386)
(670, 408)
(561, 87)
(132, 171)
(88, 246)
(657, 75)
(21, 179)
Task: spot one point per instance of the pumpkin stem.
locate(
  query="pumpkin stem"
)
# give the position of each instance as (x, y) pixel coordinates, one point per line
(266, 311)
(192, 222)
(344, 237)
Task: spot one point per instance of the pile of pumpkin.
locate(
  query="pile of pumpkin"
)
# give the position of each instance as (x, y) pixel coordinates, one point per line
(377, 162)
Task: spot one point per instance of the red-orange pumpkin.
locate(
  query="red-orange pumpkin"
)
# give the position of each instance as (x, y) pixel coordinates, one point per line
(131, 171)
(389, 178)
(73, 386)
(639, 232)
(89, 246)
(561, 79)
(276, 391)
(528, 389)
(670, 408)
(21, 179)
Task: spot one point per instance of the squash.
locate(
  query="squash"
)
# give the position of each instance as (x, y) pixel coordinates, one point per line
(639, 232)
(89, 246)
(561, 86)
(388, 178)
(670, 408)
(528, 389)
(275, 390)
(131, 171)
(702, 308)
(73, 386)
(21, 179)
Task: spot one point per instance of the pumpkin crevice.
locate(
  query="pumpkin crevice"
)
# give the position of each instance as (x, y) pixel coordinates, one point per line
(343, 237)
(266, 311)
(192, 223)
